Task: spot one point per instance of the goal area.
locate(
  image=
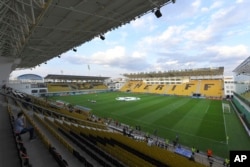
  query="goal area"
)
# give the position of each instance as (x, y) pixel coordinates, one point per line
(226, 108)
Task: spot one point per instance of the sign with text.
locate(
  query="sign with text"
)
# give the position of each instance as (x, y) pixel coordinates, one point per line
(239, 158)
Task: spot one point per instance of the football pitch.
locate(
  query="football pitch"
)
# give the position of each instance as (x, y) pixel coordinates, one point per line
(198, 122)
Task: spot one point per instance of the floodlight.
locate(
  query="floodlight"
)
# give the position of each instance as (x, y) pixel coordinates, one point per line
(102, 37)
(158, 13)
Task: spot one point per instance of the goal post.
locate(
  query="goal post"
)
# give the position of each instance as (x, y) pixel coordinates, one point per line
(226, 108)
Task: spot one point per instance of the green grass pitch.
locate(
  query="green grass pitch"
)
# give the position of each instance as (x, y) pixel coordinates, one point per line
(198, 122)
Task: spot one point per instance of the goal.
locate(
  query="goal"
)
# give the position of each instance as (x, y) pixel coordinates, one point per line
(226, 108)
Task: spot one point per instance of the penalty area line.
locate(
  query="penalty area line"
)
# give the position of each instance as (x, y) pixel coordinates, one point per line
(225, 125)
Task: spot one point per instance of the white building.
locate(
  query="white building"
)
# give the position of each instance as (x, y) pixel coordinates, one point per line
(229, 86)
(30, 84)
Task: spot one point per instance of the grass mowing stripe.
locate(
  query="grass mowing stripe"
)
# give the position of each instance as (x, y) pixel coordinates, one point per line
(152, 127)
(157, 110)
(142, 106)
(212, 125)
(171, 115)
(177, 111)
(192, 120)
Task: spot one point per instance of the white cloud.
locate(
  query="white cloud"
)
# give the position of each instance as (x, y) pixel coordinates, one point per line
(167, 39)
(147, 21)
(172, 62)
(199, 34)
(229, 51)
(108, 56)
(226, 56)
(196, 4)
(112, 57)
(138, 23)
(137, 54)
(239, 1)
(220, 14)
(231, 16)
(215, 5)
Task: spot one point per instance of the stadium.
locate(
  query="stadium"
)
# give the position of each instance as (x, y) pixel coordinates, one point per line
(187, 117)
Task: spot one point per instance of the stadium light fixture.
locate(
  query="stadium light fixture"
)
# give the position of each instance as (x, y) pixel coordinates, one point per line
(158, 13)
(102, 37)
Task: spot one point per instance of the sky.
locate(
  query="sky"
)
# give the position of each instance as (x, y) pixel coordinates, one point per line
(190, 34)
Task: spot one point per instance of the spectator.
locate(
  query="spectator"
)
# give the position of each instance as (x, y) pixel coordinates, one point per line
(193, 150)
(174, 143)
(211, 161)
(209, 153)
(166, 143)
(177, 138)
(20, 126)
(226, 162)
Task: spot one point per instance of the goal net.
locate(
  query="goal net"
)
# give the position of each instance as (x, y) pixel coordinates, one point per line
(226, 108)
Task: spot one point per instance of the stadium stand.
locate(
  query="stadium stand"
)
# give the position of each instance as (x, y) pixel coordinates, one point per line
(211, 88)
(68, 83)
(206, 88)
(246, 95)
(60, 149)
(159, 89)
(203, 82)
(67, 110)
(190, 87)
(129, 85)
(19, 142)
(101, 144)
(58, 87)
(67, 87)
(11, 152)
(127, 145)
(240, 99)
(30, 152)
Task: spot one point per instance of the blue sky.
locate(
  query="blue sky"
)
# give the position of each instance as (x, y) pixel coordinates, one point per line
(190, 34)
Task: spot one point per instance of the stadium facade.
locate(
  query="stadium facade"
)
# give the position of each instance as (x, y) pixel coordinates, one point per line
(203, 83)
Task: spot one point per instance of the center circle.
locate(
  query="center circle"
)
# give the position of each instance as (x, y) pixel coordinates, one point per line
(127, 98)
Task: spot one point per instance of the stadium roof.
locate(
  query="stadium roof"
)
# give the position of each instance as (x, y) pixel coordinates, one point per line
(218, 71)
(35, 31)
(244, 67)
(74, 77)
(29, 77)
